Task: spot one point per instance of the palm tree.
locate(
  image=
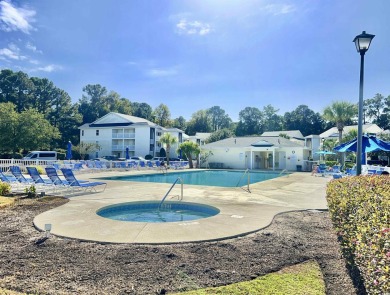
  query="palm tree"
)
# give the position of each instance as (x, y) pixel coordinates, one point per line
(190, 148)
(168, 140)
(339, 113)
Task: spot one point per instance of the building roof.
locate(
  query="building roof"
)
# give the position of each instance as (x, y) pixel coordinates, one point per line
(118, 120)
(255, 141)
(385, 132)
(291, 133)
(367, 128)
(202, 135)
(173, 130)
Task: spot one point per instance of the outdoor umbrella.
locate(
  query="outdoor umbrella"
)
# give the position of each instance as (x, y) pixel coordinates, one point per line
(369, 144)
(127, 153)
(69, 151)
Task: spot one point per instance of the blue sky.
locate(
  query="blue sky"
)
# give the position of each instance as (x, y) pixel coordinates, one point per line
(193, 55)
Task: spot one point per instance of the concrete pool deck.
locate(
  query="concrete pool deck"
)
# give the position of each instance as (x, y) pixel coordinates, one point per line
(241, 212)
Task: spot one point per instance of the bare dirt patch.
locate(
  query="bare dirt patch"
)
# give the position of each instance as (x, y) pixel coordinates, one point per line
(64, 266)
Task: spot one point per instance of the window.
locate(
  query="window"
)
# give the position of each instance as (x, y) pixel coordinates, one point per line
(158, 133)
(47, 155)
(82, 132)
(97, 132)
(152, 131)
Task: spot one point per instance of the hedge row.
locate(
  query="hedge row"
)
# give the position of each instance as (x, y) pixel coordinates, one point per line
(360, 211)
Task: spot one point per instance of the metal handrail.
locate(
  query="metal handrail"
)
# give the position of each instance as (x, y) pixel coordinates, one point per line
(285, 171)
(181, 197)
(249, 180)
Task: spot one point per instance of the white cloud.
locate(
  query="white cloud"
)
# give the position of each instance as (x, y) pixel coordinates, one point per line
(48, 69)
(15, 19)
(161, 72)
(34, 61)
(12, 52)
(193, 27)
(32, 47)
(132, 63)
(277, 9)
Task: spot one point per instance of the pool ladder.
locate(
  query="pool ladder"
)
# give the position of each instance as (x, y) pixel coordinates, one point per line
(285, 171)
(166, 195)
(249, 180)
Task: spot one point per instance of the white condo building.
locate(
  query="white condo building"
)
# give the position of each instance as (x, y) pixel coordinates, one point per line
(115, 132)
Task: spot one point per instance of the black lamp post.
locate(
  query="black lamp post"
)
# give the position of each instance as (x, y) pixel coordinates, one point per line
(362, 43)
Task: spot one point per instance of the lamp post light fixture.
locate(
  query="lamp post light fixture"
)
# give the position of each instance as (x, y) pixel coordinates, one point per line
(362, 43)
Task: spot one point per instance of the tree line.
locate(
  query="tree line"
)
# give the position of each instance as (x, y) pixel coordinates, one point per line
(35, 114)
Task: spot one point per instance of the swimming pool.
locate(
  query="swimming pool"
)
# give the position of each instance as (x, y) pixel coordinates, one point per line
(223, 178)
(151, 211)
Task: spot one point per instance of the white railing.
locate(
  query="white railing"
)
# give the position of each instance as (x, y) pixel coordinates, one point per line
(129, 135)
(121, 147)
(6, 163)
(117, 135)
(123, 135)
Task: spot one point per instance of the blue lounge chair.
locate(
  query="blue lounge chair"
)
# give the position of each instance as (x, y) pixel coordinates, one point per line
(322, 168)
(318, 171)
(15, 170)
(336, 169)
(74, 183)
(57, 181)
(133, 165)
(100, 165)
(337, 175)
(38, 180)
(12, 181)
(36, 177)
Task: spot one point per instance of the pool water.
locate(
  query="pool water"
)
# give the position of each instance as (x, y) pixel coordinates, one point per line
(223, 178)
(149, 211)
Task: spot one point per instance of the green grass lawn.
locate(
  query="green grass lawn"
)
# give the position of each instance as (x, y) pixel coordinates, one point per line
(302, 279)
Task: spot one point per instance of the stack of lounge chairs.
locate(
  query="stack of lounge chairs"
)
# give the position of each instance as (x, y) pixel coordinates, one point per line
(19, 182)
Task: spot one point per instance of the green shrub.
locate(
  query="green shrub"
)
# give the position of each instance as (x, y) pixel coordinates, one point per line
(31, 191)
(330, 163)
(148, 157)
(5, 189)
(349, 164)
(40, 169)
(360, 212)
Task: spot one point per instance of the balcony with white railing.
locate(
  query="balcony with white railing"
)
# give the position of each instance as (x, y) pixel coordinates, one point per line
(129, 135)
(121, 147)
(123, 135)
(117, 147)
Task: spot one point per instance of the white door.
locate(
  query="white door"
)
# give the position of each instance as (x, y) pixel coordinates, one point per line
(282, 160)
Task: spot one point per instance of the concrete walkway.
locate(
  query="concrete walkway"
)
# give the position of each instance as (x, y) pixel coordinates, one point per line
(240, 212)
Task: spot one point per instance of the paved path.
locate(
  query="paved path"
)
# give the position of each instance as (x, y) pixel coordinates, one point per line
(240, 212)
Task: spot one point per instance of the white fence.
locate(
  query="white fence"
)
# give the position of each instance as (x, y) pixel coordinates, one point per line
(6, 163)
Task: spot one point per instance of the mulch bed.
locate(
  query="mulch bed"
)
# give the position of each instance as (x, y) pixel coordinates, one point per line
(64, 266)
